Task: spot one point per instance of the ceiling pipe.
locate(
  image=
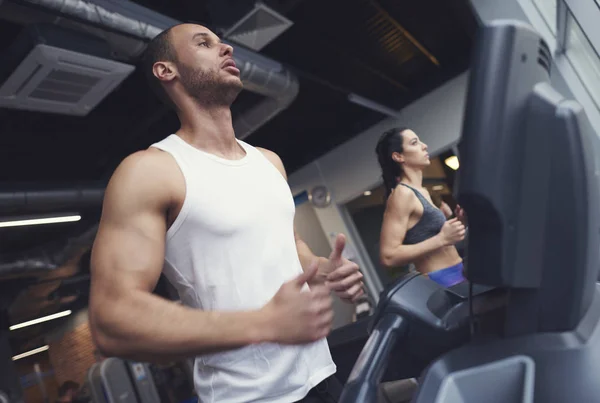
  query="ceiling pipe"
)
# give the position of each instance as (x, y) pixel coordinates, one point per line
(35, 201)
(139, 25)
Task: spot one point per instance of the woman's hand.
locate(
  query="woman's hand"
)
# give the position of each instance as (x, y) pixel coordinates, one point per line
(446, 210)
(452, 232)
(459, 212)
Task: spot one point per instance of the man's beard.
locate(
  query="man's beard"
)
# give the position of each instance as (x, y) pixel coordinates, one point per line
(208, 88)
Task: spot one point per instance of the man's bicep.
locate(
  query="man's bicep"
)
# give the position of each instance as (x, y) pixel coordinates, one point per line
(128, 255)
(128, 252)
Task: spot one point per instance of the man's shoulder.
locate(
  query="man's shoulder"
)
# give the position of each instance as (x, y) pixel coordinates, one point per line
(274, 159)
(143, 162)
(270, 155)
(148, 169)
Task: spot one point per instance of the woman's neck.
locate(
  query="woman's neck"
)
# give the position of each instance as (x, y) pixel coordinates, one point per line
(412, 177)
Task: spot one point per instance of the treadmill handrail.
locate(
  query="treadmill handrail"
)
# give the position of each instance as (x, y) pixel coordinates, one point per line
(363, 383)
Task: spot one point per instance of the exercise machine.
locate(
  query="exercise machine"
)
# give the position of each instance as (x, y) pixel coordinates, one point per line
(94, 383)
(415, 322)
(526, 327)
(120, 381)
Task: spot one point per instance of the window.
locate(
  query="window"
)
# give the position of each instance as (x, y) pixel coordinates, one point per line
(583, 57)
(548, 10)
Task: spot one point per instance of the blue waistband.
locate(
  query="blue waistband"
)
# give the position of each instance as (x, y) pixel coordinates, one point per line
(449, 276)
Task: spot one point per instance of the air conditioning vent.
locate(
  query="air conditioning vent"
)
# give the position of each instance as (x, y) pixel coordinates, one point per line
(544, 56)
(55, 79)
(544, 64)
(544, 48)
(258, 28)
(63, 86)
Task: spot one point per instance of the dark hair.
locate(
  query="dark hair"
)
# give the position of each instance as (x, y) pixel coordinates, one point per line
(389, 143)
(66, 387)
(159, 49)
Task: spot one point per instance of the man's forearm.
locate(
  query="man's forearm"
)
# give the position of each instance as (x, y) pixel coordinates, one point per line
(307, 257)
(145, 327)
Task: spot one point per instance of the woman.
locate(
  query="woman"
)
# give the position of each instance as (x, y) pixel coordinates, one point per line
(414, 230)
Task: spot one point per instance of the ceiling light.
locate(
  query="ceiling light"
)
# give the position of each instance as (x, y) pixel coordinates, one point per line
(367, 193)
(452, 162)
(39, 221)
(438, 187)
(32, 352)
(40, 320)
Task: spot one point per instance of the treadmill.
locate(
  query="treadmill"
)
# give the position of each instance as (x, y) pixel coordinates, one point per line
(525, 327)
(121, 381)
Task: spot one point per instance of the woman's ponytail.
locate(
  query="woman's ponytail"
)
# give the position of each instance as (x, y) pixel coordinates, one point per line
(389, 143)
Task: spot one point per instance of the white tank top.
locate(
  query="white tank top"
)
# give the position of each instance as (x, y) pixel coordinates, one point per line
(230, 248)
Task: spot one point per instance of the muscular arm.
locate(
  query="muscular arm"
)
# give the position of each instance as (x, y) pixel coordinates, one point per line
(395, 224)
(305, 254)
(126, 319)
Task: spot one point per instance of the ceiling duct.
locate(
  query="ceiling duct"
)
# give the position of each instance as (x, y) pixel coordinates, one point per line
(127, 27)
(32, 201)
(49, 69)
(258, 27)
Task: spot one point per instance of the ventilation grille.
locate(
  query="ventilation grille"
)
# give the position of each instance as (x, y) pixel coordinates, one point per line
(64, 86)
(392, 37)
(57, 80)
(544, 56)
(258, 28)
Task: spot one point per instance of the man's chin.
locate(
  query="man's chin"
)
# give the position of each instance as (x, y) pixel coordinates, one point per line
(232, 88)
(233, 82)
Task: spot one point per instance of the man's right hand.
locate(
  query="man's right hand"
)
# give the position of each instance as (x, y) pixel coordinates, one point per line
(452, 232)
(297, 316)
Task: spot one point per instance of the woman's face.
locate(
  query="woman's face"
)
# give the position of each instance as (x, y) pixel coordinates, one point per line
(414, 153)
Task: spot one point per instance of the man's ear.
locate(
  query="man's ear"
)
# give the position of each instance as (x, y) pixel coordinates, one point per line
(164, 71)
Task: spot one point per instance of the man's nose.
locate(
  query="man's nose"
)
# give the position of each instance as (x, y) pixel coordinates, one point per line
(226, 50)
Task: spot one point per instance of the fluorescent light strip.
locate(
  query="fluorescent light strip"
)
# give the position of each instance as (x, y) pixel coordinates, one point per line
(32, 352)
(40, 320)
(38, 221)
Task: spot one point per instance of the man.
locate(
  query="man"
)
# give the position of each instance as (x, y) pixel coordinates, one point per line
(216, 216)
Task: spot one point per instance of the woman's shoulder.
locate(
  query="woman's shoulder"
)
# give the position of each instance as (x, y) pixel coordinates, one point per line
(401, 197)
(402, 192)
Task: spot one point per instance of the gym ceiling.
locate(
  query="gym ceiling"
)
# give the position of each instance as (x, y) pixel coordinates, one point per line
(388, 51)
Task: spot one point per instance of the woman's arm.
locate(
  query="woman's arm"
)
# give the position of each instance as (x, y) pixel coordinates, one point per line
(392, 252)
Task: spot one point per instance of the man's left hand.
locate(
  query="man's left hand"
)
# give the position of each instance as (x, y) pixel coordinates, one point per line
(341, 275)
